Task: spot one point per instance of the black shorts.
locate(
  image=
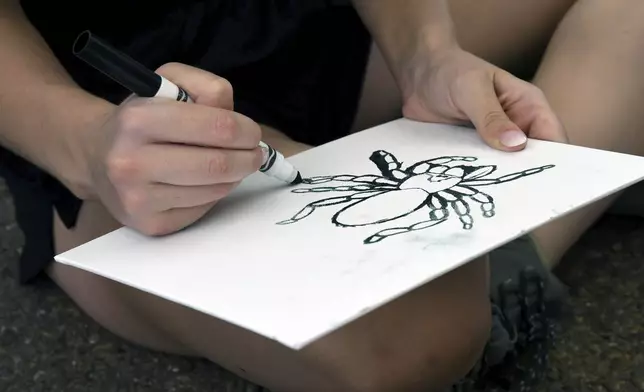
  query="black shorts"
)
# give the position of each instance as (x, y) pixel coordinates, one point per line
(298, 70)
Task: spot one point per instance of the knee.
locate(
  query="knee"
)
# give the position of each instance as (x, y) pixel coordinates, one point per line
(110, 305)
(455, 352)
(425, 341)
(436, 365)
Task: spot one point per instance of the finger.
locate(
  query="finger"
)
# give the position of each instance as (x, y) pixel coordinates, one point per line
(167, 197)
(191, 166)
(549, 128)
(172, 220)
(546, 125)
(197, 125)
(480, 103)
(542, 124)
(202, 86)
(163, 197)
(531, 110)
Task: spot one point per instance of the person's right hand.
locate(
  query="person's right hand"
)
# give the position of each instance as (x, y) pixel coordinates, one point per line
(159, 165)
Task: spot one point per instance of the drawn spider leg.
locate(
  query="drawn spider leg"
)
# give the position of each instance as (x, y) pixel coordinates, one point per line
(344, 188)
(434, 219)
(431, 164)
(460, 206)
(367, 179)
(438, 208)
(506, 178)
(331, 201)
(486, 201)
(388, 165)
(480, 171)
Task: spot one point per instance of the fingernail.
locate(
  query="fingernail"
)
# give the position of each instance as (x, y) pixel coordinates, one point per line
(513, 138)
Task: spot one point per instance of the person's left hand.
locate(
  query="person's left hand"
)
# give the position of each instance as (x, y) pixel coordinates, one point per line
(454, 86)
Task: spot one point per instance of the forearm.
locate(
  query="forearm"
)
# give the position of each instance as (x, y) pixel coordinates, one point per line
(403, 28)
(44, 116)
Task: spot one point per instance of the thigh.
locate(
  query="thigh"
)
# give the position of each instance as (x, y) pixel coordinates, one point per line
(429, 336)
(592, 77)
(105, 302)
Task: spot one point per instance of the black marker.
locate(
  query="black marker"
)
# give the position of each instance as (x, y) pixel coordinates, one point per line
(145, 83)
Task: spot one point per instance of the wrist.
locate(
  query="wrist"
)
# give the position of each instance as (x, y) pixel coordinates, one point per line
(405, 31)
(431, 48)
(434, 40)
(69, 157)
(424, 50)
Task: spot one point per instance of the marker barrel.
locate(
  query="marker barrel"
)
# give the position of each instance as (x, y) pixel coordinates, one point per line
(275, 165)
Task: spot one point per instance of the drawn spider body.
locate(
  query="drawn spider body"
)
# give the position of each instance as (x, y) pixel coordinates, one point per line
(435, 184)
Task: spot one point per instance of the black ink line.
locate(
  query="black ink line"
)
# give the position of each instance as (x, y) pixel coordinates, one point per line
(449, 187)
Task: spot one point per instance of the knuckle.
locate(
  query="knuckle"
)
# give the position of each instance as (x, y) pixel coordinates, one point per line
(221, 88)
(218, 164)
(225, 127)
(120, 168)
(494, 117)
(131, 119)
(170, 66)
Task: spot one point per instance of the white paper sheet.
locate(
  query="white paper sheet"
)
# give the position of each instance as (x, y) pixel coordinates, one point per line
(297, 282)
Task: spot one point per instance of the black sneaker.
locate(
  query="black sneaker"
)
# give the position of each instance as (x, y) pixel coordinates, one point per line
(526, 303)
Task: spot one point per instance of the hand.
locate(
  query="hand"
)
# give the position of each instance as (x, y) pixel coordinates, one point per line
(454, 86)
(159, 165)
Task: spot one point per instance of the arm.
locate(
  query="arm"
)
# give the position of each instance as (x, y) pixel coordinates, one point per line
(440, 82)
(402, 29)
(391, 23)
(44, 115)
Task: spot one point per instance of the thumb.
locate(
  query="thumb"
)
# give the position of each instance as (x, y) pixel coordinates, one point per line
(202, 86)
(481, 104)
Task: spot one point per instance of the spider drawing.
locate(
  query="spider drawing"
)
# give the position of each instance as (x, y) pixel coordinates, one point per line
(439, 185)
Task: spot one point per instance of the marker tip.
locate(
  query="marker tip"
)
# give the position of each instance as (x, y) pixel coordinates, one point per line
(297, 180)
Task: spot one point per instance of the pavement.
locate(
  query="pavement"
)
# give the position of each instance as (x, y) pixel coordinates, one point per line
(47, 344)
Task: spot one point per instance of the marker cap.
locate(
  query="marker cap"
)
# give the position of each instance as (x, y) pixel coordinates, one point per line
(116, 65)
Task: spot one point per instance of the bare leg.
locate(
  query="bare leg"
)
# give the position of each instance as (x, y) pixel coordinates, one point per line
(423, 341)
(514, 36)
(511, 34)
(592, 75)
